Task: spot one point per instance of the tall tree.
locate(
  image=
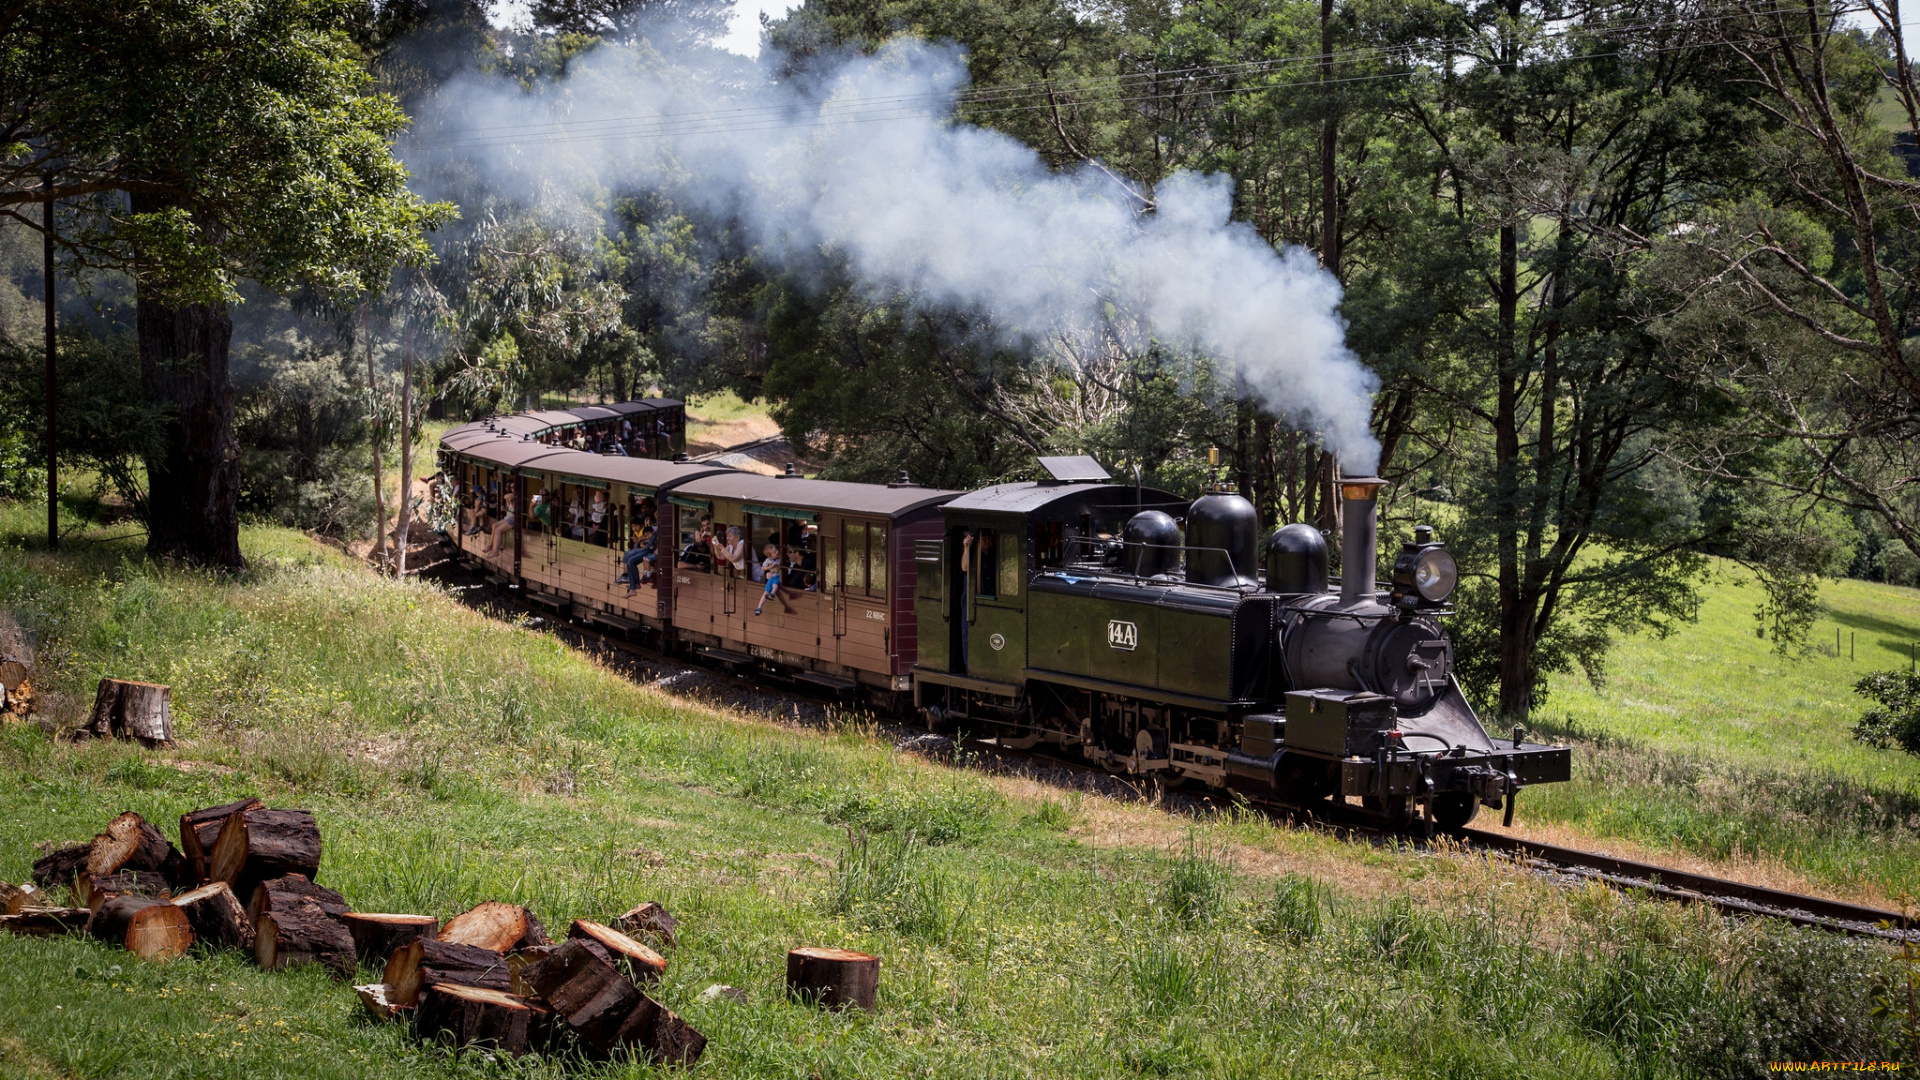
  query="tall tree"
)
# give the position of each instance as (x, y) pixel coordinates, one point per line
(214, 141)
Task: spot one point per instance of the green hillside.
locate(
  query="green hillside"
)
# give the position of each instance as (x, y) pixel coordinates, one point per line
(1025, 931)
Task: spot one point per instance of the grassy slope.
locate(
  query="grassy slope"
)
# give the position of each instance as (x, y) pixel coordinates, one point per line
(452, 758)
(1711, 742)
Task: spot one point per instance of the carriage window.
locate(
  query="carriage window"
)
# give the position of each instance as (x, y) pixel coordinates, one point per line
(540, 503)
(1013, 563)
(829, 559)
(857, 556)
(876, 560)
(694, 550)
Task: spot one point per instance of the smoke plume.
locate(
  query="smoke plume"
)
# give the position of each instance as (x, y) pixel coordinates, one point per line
(863, 159)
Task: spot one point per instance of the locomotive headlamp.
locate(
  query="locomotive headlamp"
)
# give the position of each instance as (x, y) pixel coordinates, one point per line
(1425, 572)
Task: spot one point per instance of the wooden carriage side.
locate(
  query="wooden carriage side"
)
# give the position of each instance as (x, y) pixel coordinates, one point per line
(843, 617)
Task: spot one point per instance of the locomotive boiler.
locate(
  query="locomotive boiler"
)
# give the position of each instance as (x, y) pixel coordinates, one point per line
(1080, 613)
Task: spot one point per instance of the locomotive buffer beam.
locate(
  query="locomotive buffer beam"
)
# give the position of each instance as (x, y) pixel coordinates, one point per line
(1489, 777)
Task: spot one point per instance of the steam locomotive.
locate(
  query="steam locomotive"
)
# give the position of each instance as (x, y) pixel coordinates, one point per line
(1151, 635)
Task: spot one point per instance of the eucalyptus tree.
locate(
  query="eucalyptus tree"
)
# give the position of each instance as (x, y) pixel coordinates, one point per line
(205, 142)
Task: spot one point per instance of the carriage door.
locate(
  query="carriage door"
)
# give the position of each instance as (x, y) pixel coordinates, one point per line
(997, 630)
(957, 608)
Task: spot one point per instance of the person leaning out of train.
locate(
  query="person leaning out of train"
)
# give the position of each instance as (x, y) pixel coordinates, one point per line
(698, 554)
(540, 510)
(770, 569)
(637, 563)
(505, 525)
(475, 515)
(734, 551)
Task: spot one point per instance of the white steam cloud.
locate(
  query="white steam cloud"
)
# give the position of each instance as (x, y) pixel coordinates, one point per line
(866, 161)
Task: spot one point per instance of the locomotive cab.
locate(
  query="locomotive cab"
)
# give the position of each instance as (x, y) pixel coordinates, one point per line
(1139, 631)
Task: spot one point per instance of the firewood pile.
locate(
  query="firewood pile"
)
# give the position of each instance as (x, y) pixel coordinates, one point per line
(488, 977)
(491, 977)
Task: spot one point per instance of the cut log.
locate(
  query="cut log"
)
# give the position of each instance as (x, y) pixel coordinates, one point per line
(58, 868)
(260, 845)
(519, 962)
(649, 921)
(269, 895)
(216, 916)
(833, 978)
(302, 933)
(46, 921)
(493, 925)
(645, 964)
(15, 897)
(476, 1016)
(606, 1009)
(587, 991)
(129, 843)
(150, 929)
(200, 830)
(16, 656)
(132, 710)
(423, 962)
(379, 1003)
(377, 935)
(92, 890)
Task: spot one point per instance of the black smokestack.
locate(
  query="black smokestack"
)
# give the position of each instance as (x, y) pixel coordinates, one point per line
(1359, 538)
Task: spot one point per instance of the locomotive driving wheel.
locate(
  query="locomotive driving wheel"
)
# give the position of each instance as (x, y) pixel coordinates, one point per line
(1396, 809)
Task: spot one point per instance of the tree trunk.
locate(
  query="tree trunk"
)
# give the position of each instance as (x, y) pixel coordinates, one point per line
(495, 926)
(193, 484)
(423, 962)
(1516, 683)
(473, 1016)
(1329, 145)
(279, 892)
(833, 978)
(151, 929)
(200, 831)
(643, 963)
(302, 932)
(405, 509)
(132, 710)
(260, 845)
(376, 936)
(216, 916)
(373, 427)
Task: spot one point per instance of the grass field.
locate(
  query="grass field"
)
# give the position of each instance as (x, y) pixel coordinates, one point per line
(1710, 742)
(1025, 931)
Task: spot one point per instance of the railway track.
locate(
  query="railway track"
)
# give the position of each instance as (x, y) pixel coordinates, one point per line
(1569, 866)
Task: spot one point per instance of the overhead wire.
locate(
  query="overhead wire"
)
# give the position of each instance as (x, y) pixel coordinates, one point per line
(1022, 97)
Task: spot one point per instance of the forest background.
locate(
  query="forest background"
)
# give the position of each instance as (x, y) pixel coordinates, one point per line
(1636, 279)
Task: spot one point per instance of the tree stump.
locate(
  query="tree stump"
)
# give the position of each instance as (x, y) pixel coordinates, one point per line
(269, 895)
(260, 845)
(649, 920)
(377, 935)
(150, 929)
(16, 656)
(833, 978)
(646, 965)
(499, 927)
(132, 710)
(476, 1016)
(200, 830)
(216, 916)
(423, 962)
(46, 921)
(302, 933)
